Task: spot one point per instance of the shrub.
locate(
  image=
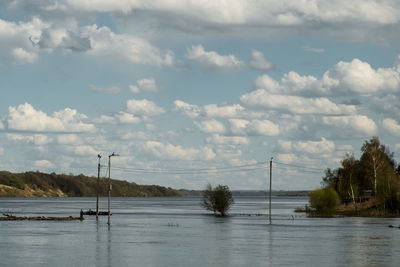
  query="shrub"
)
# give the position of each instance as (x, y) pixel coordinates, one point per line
(324, 201)
(218, 199)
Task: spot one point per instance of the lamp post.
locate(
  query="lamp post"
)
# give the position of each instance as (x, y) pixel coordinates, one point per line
(109, 183)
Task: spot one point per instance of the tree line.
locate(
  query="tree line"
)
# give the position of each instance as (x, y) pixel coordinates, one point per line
(76, 186)
(375, 175)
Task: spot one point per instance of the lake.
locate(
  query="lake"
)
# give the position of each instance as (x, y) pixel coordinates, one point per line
(178, 232)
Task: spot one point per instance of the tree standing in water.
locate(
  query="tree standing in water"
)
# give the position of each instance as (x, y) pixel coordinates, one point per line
(218, 199)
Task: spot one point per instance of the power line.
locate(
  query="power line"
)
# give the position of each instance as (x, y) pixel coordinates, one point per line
(248, 167)
(299, 166)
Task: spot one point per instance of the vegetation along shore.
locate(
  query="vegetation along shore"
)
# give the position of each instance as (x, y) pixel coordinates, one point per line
(368, 186)
(38, 184)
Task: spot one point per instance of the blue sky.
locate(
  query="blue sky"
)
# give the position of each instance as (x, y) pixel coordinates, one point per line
(192, 92)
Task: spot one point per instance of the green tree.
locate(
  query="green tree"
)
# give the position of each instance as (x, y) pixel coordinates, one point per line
(348, 178)
(374, 158)
(218, 199)
(324, 201)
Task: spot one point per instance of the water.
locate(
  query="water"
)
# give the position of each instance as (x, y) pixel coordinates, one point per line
(178, 232)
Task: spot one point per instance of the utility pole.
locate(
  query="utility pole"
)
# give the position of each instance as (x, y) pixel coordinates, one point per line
(98, 185)
(109, 184)
(270, 190)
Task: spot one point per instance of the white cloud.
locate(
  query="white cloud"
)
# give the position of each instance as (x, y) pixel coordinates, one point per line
(213, 62)
(284, 146)
(1, 151)
(143, 108)
(286, 157)
(350, 126)
(271, 18)
(261, 99)
(211, 126)
(262, 127)
(27, 118)
(315, 147)
(238, 126)
(355, 78)
(222, 111)
(148, 85)
(189, 110)
(37, 139)
(1, 126)
(106, 90)
(134, 89)
(68, 139)
(314, 49)
(259, 62)
(118, 118)
(15, 44)
(23, 56)
(105, 43)
(85, 150)
(44, 164)
(254, 127)
(227, 140)
(391, 126)
(171, 152)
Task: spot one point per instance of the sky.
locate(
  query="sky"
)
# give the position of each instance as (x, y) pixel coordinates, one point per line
(196, 92)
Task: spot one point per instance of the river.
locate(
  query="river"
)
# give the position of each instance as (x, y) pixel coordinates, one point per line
(178, 232)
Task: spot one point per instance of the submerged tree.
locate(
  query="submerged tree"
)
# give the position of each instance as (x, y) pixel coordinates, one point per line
(218, 199)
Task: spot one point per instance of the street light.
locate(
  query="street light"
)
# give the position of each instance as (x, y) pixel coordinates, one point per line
(109, 183)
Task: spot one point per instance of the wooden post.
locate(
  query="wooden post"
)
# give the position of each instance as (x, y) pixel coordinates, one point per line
(270, 190)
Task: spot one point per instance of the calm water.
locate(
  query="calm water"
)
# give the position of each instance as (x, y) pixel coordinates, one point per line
(178, 232)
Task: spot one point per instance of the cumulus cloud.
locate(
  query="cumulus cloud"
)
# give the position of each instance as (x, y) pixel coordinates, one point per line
(391, 126)
(105, 43)
(259, 62)
(222, 111)
(37, 139)
(355, 78)
(15, 44)
(227, 140)
(118, 118)
(192, 111)
(85, 150)
(270, 18)
(145, 85)
(105, 90)
(314, 147)
(356, 126)
(254, 127)
(171, 152)
(26, 118)
(143, 108)
(68, 139)
(44, 164)
(211, 126)
(261, 99)
(213, 62)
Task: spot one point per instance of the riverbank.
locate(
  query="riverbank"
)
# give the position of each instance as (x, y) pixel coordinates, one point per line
(372, 208)
(38, 184)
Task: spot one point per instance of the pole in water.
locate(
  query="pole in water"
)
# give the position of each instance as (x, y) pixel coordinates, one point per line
(109, 184)
(97, 189)
(270, 190)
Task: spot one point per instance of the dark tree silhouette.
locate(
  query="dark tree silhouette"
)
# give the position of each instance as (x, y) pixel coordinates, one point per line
(218, 199)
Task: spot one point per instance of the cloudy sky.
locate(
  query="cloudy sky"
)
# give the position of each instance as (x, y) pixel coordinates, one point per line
(191, 92)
